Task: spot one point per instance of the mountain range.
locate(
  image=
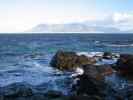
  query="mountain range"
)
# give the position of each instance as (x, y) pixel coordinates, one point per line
(100, 26)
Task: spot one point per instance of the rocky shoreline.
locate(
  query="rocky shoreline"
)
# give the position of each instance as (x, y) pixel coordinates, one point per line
(92, 81)
(91, 78)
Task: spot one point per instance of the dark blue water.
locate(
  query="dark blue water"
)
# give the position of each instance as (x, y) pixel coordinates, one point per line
(25, 57)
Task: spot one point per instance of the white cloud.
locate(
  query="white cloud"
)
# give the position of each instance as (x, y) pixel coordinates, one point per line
(121, 21)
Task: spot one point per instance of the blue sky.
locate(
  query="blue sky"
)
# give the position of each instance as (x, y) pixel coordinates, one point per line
(20, 15)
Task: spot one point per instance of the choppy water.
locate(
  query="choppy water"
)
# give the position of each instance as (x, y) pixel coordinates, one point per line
(25, 58)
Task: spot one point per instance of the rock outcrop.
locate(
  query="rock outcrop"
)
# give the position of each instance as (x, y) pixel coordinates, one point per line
(91, 85)
(20, 91)
(107, 55)
(69, 60)
(125, 65)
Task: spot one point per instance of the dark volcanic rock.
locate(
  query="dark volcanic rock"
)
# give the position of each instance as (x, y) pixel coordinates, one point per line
(85, 97)
(92, 71)
(91, 85)
(125, 65)
(69, 60)
(125, 94)
(16, 91)
(97, 71)
(53, 94)
(20, 91)
(88, 87)
(107, 55)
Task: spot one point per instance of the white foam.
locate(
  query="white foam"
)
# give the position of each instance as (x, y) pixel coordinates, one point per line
(119, 45)
(106, 61)
(90, 54)
(78, 71)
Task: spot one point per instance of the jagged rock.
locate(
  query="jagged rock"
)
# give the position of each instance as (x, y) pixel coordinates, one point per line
(107, 55)
(54, 94)
(90, 86)
(85, 97)
(16, 89)
(92, 83)
(97, 71)
(69, 60)
(125, 65)
(20, 91)
(125, 94)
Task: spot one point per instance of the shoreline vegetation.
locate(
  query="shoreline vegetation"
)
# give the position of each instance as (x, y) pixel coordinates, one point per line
(95, 77)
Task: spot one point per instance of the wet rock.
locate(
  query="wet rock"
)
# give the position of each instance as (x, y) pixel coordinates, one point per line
(19, 91)
(125, 65)
(69, 60)
(107, 55)
(85, 97)
(15, 90)
(54, 94)
(97, 71)
(125, 94)
(92, 71)
(90, 87)
(92, 83)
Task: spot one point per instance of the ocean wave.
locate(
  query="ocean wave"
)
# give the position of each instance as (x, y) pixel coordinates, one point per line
(90, 54)
(113, 45)
(98, 56)
(119, 45)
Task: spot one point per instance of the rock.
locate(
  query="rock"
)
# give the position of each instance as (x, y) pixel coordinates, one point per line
(97, 71)
(15, 90)
(93, 72)
(85, 97)
(107, 55)
(20, 91)
(92, 82)
(125, 65)
(54, 94)
(125, 93)
(90, 87)
(70, 60)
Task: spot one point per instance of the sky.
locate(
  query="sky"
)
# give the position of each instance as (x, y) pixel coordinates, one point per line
(21, 15)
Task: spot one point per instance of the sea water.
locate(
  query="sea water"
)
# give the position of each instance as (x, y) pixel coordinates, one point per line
(24, 58)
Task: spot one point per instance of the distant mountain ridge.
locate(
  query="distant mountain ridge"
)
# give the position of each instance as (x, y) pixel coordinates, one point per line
(83, 27)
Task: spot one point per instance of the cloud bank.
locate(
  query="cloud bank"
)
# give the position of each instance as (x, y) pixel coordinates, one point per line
(113, 23)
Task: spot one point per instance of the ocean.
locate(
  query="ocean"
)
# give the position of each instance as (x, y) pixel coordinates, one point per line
(24, 58)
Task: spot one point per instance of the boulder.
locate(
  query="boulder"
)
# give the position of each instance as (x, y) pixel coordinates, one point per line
(22, 91)
(92, 83)
(16, 91)
(90, 87)
(84, 97)
(125, 65)
(64, 60)
(54, 94)
(107, 55)
(125, 93)
(97, 71)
